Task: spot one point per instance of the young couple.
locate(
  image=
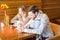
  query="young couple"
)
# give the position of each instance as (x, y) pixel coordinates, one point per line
(35, 22)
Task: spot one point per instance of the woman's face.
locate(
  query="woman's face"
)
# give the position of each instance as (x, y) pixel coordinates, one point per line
(20, 12)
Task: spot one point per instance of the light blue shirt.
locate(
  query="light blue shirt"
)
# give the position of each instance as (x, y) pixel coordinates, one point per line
(40, 25)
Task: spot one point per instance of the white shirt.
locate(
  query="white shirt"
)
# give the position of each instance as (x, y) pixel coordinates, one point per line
(40, 25)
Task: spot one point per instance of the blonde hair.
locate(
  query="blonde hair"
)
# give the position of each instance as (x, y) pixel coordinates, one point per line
(24, 10)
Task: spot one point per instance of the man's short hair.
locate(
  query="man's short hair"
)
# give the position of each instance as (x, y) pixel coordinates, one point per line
(33, 8)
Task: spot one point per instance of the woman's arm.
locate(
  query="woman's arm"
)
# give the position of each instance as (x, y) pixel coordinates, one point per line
(14, 19)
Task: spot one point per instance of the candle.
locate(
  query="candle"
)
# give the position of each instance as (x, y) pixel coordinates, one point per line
(2, 25)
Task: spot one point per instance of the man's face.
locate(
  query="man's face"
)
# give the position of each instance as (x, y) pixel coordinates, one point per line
(20, 12)
(31, 15)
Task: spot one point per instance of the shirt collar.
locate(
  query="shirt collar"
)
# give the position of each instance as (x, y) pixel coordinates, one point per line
(39, 15)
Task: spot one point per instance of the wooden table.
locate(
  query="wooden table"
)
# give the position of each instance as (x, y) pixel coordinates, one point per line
(12, 34)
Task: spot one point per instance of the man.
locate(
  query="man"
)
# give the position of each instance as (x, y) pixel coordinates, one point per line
(38, 24)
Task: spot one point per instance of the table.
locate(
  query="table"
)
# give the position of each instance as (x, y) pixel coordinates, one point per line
(11, 34)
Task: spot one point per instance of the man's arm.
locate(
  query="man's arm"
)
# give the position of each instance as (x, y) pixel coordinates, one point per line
(44, 21)
(27, 24)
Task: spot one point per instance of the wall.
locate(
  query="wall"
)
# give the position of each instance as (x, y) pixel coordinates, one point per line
(14, 4)
(51, 8)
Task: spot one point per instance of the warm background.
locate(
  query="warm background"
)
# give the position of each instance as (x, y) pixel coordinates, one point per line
(50, 7)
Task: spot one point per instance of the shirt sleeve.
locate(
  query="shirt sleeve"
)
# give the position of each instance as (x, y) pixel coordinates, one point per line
(43, 24)
(28, 24)
(13, 20)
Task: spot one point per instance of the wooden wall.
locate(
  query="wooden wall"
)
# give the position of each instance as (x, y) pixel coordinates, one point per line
(51, 8)
(14, 4)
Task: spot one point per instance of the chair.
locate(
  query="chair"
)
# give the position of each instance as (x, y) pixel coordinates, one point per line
(55, 28)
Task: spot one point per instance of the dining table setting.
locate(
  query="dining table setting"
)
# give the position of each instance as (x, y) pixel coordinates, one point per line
(11, 33)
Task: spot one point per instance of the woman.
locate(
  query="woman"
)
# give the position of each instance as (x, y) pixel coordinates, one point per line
(22, 16)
